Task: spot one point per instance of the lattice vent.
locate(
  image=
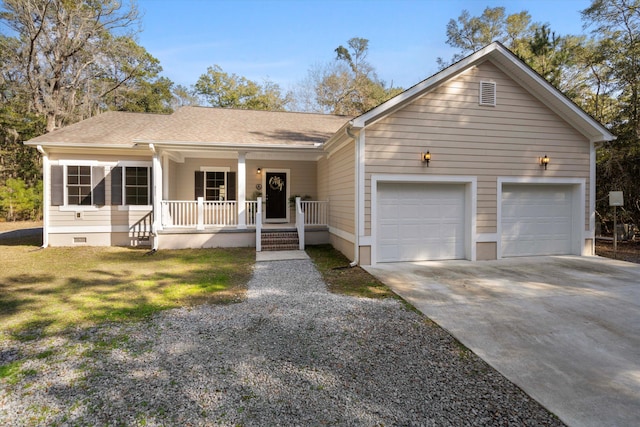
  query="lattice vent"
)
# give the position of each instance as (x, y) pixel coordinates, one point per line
(488, 93)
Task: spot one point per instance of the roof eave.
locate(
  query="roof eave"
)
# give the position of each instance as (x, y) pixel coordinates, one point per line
(229, 145)
(53, 144)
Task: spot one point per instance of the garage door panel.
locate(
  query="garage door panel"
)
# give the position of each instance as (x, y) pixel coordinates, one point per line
(536, 220)
(428, 219)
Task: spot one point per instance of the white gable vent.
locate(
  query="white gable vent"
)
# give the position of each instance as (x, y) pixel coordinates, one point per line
(488, 93)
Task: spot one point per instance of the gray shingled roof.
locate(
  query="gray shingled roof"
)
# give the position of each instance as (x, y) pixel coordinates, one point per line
(217, 125)
(199, 125)
(110, 128)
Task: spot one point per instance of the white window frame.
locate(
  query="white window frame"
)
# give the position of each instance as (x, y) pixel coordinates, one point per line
(135, 164)
(77, 208)
(206, 169)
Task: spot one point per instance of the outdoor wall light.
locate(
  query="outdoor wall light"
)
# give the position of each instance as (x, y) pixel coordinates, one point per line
(259, 171)
(544, 161)
(425, 157)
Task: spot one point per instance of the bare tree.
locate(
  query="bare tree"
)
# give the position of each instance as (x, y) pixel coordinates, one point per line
(65, 47)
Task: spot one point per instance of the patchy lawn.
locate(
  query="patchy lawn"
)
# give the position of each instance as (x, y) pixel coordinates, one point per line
(626, 251)
(46, 291)
(343, 279)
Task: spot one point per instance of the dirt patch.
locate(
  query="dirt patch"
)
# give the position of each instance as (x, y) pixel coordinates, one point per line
(626, 251)
(18, 225)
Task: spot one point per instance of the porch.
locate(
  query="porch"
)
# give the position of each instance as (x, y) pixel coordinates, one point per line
(205, 223)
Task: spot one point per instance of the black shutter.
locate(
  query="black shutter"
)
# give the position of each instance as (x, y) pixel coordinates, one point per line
(97, 179)
(199, 187)
(231, 186)
(57, 185)
(116, 186)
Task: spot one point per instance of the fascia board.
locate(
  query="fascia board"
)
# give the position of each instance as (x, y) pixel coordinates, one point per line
(79, 145)
(203, 146)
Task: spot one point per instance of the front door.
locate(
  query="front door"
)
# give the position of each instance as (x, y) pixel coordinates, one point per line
(276, 196)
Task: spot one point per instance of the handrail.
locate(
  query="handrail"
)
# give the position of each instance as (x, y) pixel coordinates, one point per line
(259, 225)
(300, 223)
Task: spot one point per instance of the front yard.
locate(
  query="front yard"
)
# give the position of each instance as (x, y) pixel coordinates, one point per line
(45, 292)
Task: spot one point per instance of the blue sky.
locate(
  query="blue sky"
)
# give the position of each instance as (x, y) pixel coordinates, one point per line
(280, 40)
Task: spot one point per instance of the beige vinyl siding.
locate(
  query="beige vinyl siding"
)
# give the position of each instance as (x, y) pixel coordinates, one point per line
(322, 168)
(466, 139)
(339, 177)
(94, 217)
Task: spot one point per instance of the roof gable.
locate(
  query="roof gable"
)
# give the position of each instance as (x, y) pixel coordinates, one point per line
(517, 70)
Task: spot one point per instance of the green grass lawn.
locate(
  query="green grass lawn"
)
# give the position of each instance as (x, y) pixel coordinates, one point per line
(343, 279)
(46, 291)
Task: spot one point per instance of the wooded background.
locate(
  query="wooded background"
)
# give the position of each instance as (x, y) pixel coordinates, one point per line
(63, 61)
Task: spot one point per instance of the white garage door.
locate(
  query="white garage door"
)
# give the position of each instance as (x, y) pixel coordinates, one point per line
(536, 220)
(420, 221)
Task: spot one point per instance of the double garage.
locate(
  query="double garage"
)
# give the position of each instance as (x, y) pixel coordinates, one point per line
(419, 221)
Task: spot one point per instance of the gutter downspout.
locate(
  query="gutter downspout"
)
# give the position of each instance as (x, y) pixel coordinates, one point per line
(46, 178)
(356, 140)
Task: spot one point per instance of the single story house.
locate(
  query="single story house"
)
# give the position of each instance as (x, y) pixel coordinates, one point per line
(483, 160)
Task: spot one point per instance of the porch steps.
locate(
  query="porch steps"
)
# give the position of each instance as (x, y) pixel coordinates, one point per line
(279, 240)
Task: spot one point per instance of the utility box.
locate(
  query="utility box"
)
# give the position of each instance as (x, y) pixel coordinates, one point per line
(616, 198)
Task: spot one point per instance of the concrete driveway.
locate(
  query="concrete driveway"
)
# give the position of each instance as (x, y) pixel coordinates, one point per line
(564, 329)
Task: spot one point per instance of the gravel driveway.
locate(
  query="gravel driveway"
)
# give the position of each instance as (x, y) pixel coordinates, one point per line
(292, 354)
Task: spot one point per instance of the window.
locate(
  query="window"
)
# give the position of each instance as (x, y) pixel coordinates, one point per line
(214, 186)
(79, 185)
(136, 185)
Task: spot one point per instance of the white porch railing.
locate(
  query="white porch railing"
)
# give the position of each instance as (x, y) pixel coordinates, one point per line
(217, 213)
(198, 214)
(250, 211)
(315, 212)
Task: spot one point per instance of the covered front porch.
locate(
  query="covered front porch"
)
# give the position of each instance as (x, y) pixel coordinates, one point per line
(222, 197)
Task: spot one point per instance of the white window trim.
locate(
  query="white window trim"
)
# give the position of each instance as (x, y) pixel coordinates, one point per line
(206, 169)
(65, 172)
(135, 164)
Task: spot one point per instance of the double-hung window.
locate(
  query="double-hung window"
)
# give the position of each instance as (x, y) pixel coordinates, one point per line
(136, 185)
(131, 184)
(79, 185)
(76, 184)
(216, 184)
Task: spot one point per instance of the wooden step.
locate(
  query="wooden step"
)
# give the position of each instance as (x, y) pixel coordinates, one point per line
(280, 241)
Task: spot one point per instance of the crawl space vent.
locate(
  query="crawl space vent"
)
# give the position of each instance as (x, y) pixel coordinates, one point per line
(488, 93)
(79, 240)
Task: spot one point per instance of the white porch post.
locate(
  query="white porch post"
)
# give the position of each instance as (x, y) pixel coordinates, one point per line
(165, 177)
(157, 189)
(46, 188)
(242, 188)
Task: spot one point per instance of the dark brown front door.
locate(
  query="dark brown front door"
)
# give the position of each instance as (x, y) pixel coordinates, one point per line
(276, 192)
